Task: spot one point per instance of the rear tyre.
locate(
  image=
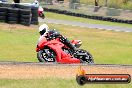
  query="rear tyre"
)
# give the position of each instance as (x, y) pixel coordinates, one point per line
(23, 7)
(2, 13)
(84, 56)
(26, 23)
(46, 55)
(35, 22)
(13, 15)
(12, 22)
(13, 10)
(3, 9)
(25, 12)
(2, 18)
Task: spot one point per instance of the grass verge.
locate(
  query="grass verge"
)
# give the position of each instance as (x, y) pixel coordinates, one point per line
(84, 20)
(53, 83)
(107, 47)
(17, 43)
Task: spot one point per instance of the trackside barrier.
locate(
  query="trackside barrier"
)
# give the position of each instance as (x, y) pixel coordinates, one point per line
(24, 14)
(87, 16)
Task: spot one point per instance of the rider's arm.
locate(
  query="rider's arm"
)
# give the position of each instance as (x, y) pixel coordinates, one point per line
(56, 34)
(52, 34)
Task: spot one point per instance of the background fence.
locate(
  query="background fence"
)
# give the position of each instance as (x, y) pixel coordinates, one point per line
(112, 10)
(100, 10)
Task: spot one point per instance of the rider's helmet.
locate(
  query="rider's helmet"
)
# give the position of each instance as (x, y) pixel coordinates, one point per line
(36, 3)
(43, 29)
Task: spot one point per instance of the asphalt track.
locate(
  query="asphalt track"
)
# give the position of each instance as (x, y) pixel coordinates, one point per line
(22, 70)
(34, 70)
(59, 64)
(86, 25)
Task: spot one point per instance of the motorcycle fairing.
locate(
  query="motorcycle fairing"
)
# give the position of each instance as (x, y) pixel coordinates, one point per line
(55, 45)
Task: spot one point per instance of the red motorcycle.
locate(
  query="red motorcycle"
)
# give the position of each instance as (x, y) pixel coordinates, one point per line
(55, 51)
(40, 12)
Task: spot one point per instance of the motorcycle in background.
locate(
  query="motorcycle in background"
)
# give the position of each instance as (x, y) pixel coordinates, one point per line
(41, 12)
(40, 9)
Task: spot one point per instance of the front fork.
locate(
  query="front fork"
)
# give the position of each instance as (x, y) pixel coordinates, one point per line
(41, 14)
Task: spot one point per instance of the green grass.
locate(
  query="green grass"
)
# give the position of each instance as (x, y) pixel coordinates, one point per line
(53, 83)
(18, 45)
(107, 47)
(78, 19)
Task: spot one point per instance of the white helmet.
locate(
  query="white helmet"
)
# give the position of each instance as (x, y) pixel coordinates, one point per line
(43, 29)
(36, 2)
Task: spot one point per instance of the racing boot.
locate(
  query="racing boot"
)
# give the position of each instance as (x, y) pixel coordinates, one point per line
(71, 46)
(68, 43)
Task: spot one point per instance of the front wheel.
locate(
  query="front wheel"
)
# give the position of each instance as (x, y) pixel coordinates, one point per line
(42, 15)
(84, 56)
(46, 55)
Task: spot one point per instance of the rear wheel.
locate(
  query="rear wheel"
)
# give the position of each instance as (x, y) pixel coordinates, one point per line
(84, 56)
(46, 55)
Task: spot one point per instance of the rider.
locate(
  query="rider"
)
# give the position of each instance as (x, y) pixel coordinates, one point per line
(36, 3)
(52, 34)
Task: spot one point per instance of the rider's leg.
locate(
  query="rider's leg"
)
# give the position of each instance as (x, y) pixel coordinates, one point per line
(69, 44)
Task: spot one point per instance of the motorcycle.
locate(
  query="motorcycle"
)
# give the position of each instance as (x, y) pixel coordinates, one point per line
(40, 12)
(55, 51)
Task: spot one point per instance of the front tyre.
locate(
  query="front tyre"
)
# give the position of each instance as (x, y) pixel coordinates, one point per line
(42, 15)
(84, 56)
(46, 55)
